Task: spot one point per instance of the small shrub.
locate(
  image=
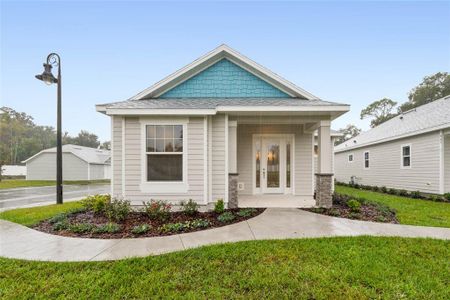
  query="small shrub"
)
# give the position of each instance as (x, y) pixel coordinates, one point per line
(58, 218)
(354, 205)
(403, 193)
(81, 227)
(226, 217)
(375, 188)
(60, 225)
(190, 208)
(172, 227)
(246, 212)
(416, 195)
(117, 210)
(433, 198)
(219, 207)
(199, 223)
(354, 215)
(107, 228)
(447, 196)
(140, 229)
(96, 203)
(334, 212)
(157, 209)
(381, 219)
(393, 191)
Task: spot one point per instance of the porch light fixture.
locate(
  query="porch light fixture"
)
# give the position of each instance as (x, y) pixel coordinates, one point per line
(47, 77)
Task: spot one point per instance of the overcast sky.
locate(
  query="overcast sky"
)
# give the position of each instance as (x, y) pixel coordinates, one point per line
(350, 52)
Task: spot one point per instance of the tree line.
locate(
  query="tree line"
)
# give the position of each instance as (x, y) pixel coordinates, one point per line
(432, 87)
(20, 137)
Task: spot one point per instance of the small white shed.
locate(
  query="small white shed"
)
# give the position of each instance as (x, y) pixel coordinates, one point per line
(79, 163)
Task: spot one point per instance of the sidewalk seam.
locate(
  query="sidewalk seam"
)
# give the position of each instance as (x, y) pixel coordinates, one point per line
(107, 248)
(181, 240)
(253, 234)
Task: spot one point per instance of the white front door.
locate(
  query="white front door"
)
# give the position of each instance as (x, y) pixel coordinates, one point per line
(273, 164)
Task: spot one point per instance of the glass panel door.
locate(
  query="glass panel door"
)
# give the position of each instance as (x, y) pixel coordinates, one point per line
(272, 169)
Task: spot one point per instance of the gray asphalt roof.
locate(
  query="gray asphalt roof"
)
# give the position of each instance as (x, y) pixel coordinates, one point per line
(90, 155)
(211, 103)
(428, 117)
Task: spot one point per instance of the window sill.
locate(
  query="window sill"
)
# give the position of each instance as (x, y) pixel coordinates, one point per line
(164, 187)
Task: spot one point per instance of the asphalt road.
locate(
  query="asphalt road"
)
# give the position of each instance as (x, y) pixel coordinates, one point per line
(36, 195)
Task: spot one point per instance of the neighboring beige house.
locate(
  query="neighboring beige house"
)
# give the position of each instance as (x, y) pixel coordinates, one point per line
(223, 127)
(79, 163)
(410, 151)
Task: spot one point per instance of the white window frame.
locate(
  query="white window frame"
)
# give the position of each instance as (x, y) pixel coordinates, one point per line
(364, 160)
(164, 187)
(402, 156)
(353, 158)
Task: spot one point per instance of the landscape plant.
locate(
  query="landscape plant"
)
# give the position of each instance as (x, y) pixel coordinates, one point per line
(157, 209)
(107, 228)
(96, 203)
(190, 207)
(117, 210)
(141, 229)
(226, 217)
(219, 206)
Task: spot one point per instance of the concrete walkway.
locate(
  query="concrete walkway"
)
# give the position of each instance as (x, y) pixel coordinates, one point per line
(17, 241)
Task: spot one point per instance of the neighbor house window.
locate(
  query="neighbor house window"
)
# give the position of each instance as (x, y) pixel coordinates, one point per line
(366, 160)
(164, 151)
(350, 157)
(406, 156)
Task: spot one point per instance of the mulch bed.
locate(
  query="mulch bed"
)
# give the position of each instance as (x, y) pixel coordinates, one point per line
(139, 218)
(369, 211)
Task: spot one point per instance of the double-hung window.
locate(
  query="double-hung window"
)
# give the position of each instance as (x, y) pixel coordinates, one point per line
(406, 156)
(366, 160)
(164, 153)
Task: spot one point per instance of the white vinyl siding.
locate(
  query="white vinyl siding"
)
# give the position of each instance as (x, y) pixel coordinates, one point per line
(97, 171)
(43, 167)
(302, 157)
(385, 168)
(218, 158)
(447, 164)
(135, 164)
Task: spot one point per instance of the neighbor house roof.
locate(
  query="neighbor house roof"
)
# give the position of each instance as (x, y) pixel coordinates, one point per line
(429, 117)
(89, 155)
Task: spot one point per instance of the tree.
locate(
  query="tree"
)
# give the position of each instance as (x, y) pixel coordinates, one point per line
(431, 88)
(84, 138)
(106, 145)
(380, 111)
(348, 132)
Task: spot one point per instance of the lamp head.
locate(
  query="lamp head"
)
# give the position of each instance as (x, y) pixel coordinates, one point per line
(47, 76)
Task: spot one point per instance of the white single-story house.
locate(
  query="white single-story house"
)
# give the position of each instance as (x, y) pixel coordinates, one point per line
(79, 163)
(410, 151)
(223, 127)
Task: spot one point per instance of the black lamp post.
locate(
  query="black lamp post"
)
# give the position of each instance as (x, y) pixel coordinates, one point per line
(53, 59)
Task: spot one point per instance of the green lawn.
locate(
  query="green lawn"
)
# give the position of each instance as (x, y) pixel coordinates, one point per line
(409, 211)
(336, 268)
(33, 215)
(16, 183)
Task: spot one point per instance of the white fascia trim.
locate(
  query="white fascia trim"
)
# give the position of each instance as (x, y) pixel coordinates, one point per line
(447, 125)
(151, 111)
(223, 51)
(327, 108)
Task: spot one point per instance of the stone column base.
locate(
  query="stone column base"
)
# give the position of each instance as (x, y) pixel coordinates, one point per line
(233, 190)
(324, 192)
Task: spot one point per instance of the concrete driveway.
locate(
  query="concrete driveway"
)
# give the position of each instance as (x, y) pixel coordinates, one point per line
(30, 196)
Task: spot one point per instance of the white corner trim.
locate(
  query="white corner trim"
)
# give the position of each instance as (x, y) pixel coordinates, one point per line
(210, 192)
(226, 159)
(223, 51)
(123, 158)
(112, 156)
(205, 159)
(441, 162)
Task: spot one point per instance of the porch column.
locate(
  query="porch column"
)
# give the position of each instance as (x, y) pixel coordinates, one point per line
(232, 147)
(232, 165)
(324, 175)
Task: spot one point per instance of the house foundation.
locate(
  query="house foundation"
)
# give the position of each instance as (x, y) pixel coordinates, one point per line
(323, 192)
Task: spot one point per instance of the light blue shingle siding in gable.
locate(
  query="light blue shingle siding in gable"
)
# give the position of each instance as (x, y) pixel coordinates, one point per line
(224, 79)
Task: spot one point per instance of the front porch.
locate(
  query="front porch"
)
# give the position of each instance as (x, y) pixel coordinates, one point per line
(272, 160)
